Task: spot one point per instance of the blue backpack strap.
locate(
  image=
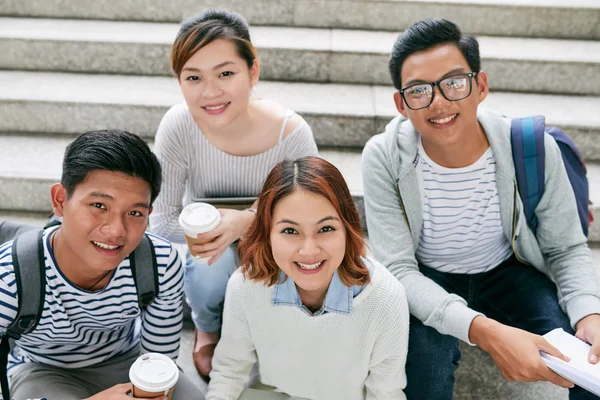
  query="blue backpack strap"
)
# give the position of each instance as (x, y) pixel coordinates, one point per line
(576, 171)
(529, 155)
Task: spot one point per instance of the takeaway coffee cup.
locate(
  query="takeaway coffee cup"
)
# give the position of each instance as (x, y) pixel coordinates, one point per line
(153, 375)
(197, 218)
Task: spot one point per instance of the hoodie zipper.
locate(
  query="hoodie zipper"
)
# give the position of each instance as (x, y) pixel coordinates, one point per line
(402, 207)
(514, 227)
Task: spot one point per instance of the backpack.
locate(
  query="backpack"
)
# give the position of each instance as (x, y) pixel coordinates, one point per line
(529, 154)
(30, 277)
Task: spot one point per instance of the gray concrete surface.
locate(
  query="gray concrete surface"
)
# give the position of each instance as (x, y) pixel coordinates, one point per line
(289, 53)
(340, 114)
(576, 19)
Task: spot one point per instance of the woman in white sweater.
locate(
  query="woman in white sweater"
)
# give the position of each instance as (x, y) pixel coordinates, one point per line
(220, 142)
(322, 320)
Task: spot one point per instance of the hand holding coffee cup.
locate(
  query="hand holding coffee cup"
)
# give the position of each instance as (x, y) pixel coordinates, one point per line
(196, 219)
(153, 375)
(118, 392)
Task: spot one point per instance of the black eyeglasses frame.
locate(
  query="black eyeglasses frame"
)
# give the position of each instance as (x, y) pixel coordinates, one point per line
(470, 75)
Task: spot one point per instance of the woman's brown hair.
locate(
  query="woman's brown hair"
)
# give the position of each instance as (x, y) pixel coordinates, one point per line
(314, 175)
(201, 29)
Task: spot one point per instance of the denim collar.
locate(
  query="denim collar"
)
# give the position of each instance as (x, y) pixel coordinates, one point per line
(337, 300)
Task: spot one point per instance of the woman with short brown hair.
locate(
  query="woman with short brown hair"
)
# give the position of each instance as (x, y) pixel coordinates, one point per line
(322, 320)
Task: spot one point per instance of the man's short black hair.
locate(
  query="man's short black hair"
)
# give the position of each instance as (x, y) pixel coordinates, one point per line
(427, 34)
(110, 150)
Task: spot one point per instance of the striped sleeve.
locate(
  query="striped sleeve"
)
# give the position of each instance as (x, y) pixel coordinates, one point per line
(8, 288)
(301, 143)
(170, 150)
(162, 321)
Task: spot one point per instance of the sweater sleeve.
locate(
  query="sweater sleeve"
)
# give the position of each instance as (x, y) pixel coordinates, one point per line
(569, 258)
(235, 354)
(301, 142)
(387, 377)
(170, 148)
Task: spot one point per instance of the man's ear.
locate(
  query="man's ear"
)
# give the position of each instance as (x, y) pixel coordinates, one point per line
(482, 86)
(400, 104)
(58, 195)
(150, 210)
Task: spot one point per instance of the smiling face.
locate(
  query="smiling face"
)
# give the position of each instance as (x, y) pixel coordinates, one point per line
(444, 123)
(216, 84)
(104, 219)
(308, 241)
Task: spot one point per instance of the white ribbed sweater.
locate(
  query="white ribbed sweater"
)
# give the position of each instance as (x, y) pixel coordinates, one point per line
(326, 357)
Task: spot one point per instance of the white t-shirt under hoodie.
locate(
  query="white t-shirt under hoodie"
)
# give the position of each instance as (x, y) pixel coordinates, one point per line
(360, 355)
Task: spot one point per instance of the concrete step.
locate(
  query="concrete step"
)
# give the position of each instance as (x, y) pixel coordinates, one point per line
(288, 53)
(577, 19)
(339, 114)
(31, 164)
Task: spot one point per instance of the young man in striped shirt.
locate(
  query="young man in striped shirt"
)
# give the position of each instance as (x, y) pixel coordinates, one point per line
(92, 328)
(444, 216)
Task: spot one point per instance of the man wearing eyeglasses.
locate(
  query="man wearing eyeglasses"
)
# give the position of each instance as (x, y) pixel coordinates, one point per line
(445, 217)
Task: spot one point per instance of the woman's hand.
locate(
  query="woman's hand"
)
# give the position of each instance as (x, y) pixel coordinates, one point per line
(234, 224)
(119, 392)
(516, 352)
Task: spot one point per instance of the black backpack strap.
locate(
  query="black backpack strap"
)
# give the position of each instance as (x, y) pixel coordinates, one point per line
(145, 271)
(30, 277)
(4, 350)
(10, 230)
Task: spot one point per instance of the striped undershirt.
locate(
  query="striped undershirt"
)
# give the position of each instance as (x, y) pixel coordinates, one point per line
(79, 328)
(192, 168)
(462, 230)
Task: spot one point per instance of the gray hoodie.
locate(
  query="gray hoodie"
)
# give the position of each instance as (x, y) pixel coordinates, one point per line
(393, 203)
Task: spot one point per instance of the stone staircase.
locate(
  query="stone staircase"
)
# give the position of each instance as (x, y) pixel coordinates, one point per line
(67, 66)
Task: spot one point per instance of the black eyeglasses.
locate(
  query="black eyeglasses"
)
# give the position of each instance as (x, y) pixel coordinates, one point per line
(453, 88)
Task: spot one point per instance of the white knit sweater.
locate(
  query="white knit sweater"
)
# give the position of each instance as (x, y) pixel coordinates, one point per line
(326, 357)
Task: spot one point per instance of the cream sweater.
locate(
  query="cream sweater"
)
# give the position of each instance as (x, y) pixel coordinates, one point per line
(326, 357)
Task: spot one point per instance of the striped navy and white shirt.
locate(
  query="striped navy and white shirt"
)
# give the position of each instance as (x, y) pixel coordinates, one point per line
(79, 328)
(462, 231)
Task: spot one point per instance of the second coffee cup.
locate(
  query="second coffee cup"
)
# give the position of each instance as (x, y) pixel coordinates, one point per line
(198, 218)
(153, 375)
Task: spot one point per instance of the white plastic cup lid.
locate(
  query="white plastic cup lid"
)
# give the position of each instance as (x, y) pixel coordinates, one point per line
(154, 372)
(197, 218)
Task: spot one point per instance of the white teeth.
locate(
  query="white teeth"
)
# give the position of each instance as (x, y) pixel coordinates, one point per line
(105, 246)
(310, 266)
(215, 107)
(443, 120)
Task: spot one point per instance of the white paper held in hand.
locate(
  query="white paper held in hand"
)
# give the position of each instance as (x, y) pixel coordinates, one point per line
(578, 370)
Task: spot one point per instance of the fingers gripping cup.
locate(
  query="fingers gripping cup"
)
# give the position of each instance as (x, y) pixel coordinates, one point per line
(197, 218)
(153, 375)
